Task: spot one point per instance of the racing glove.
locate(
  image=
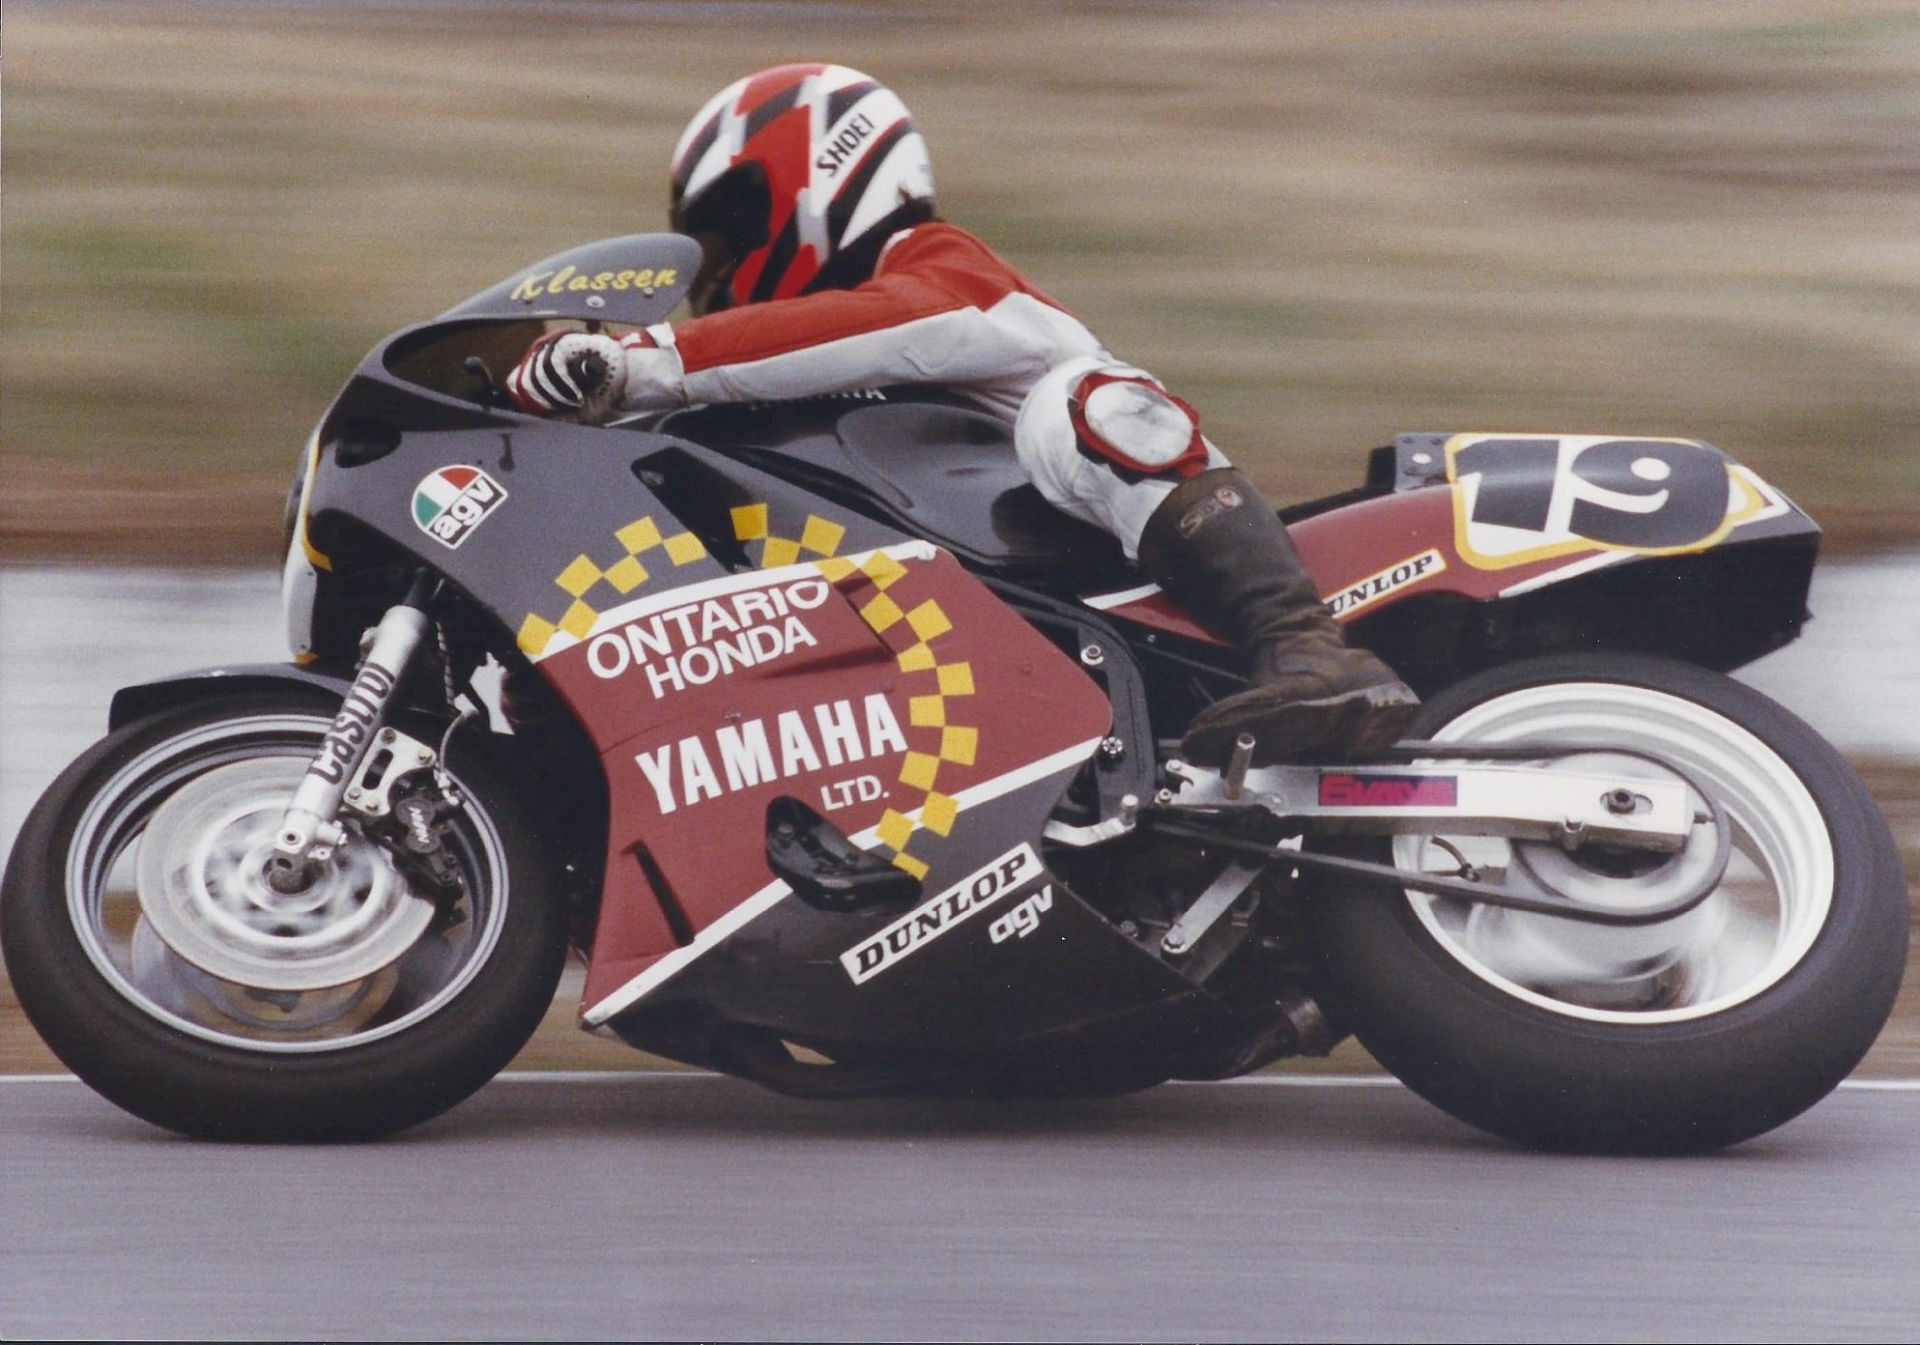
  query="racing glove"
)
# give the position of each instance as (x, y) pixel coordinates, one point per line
(589, 376)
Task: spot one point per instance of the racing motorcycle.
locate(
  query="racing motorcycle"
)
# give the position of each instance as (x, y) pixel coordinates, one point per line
(849, 766)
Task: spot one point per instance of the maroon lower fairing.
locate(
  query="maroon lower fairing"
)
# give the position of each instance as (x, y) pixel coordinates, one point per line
(632, 931)
(886, 692)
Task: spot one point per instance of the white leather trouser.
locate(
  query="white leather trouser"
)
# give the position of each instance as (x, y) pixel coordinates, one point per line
(1074, 482)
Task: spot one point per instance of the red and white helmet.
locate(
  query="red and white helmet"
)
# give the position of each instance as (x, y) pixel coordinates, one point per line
(793, 179)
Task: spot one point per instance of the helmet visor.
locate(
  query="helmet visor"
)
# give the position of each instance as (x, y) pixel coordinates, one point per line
(730, 219)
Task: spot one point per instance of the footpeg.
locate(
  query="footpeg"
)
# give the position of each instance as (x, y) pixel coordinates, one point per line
(1236, 777)
(825, 869)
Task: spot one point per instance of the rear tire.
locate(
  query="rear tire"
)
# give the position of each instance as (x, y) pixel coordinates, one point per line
(212, 1056)
(1689, 1035)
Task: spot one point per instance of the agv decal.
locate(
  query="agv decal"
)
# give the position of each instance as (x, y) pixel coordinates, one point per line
(450, 503)
(1023, 919)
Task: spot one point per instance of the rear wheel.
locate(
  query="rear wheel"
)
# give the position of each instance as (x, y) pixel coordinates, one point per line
(1684, 1035)
(148, 951)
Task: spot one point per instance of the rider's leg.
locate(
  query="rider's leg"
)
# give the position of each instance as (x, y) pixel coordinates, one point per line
(1105, 443)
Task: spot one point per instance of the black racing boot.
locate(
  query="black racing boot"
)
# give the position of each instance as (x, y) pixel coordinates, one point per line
(1218, 550)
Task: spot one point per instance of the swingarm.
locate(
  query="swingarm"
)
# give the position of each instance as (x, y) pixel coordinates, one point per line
(1588, 840)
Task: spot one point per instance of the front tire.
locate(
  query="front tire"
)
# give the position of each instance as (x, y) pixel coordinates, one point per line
(372, 1009)
(1683, 1036)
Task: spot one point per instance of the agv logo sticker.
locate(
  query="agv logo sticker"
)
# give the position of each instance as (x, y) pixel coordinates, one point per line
(450, 503)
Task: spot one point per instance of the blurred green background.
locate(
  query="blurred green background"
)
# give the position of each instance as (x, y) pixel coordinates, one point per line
(1320, 222)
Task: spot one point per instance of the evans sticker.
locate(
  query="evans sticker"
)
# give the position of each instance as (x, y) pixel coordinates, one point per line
(1343, 790)
(450, 503)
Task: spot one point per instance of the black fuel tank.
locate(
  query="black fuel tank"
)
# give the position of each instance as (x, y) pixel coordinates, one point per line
(924, 462)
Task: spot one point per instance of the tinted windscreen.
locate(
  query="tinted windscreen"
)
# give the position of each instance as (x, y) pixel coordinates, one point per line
(632, 280)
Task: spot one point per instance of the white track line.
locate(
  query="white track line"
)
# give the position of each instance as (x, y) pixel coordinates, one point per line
(1882, 1085)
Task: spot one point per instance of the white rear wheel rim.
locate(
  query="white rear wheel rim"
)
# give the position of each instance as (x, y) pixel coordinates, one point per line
(1755, 928)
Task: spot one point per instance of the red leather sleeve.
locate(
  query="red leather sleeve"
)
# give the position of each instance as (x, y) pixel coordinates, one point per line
(936, 268)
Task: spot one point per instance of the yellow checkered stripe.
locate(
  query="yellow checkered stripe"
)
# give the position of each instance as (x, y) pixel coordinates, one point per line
(820, 537)
(911, 632)
(583, 576)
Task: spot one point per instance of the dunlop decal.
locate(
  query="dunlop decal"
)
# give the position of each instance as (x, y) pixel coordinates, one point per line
(1366, 592)
(940, 915)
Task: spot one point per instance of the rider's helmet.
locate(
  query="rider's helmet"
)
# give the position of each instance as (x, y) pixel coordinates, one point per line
(793, 179)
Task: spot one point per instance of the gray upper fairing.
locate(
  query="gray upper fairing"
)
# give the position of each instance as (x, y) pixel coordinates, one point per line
(428, 399)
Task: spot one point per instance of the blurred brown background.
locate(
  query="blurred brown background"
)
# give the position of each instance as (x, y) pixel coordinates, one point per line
(1321, 222)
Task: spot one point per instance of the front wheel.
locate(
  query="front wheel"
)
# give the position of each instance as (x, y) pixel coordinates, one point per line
(146, 949)
(1686, 1035)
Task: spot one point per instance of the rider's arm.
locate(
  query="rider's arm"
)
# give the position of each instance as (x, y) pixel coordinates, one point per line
(943, 308)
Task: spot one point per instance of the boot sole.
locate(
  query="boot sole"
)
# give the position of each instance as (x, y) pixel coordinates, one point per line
(1353, 726)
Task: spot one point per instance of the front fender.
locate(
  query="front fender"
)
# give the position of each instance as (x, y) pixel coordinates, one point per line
(147, 698)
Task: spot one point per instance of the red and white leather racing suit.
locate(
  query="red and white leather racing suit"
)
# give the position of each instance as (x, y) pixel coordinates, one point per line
(943, 308)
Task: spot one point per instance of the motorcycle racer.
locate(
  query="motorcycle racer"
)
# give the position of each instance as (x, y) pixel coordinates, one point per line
(825, 269)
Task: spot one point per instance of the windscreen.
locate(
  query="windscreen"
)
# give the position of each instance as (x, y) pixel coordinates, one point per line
(633, 280)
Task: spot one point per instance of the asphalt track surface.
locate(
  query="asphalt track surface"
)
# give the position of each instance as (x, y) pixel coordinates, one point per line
(690, 1207)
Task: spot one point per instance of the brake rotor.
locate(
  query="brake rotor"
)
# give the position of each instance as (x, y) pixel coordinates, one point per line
(203, 888)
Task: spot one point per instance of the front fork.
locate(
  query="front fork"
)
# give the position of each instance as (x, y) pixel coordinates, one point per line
(309, 832)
